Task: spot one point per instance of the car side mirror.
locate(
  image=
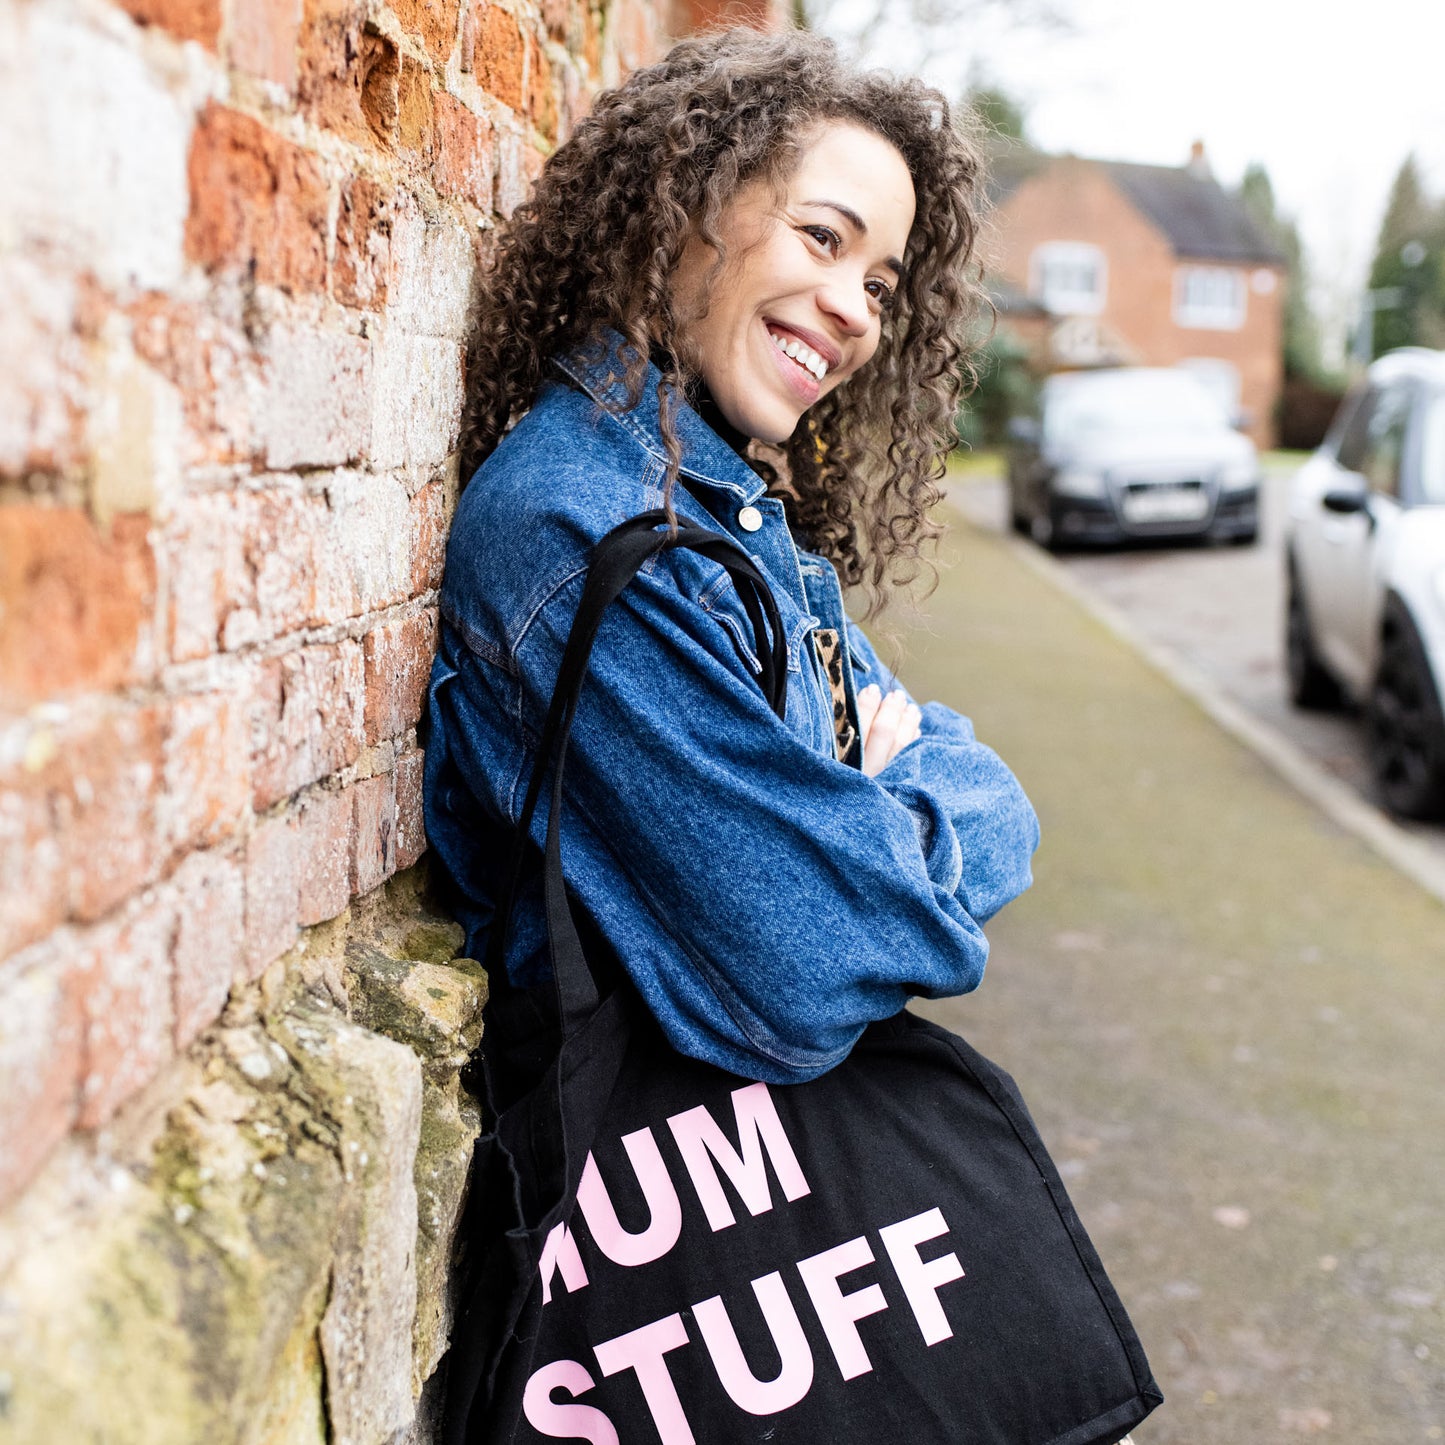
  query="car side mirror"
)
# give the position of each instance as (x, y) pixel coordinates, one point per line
(1024, 429)
(1346, 500)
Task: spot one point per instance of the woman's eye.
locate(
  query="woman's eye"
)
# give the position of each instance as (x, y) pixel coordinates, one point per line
(825, 236)
(880, 291)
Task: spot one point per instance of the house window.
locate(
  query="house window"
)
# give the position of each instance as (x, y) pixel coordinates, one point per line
(1069, 277)
(1209, 297)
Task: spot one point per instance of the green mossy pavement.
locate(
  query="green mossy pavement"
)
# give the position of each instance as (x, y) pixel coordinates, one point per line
(1226, 1014)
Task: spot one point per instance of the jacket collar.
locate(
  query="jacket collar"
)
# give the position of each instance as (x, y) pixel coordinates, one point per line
(706, 457)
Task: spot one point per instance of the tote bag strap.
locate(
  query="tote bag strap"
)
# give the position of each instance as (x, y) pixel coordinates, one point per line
(615, 560)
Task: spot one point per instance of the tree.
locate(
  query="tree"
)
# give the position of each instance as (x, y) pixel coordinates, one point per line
(1002, 114)
(1408, 273)
(1301, 328)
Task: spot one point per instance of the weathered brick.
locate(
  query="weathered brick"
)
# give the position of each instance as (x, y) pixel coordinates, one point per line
(263, 39)
(212, 366)
(398, 663)
(380, 90)
(415, 122)
(374, 837)
(463, 165)
(362, 265)
(410, 827)
(431, 512)
(125, 975)
(324, 822)
(258, 203)
(246, 567)
(206, 769)
(95, 150)
(307, 719)
(557, 17)
(317, 407)
(32, 872)
(370, 538)
(509, 171)
(433, 272)
(210, 897)
(416, 407)
(103, 783)
(272, 892)
(76, 606)
(499, 53)
(41, 401)
(435, 21)
(41, 1031)
(333, 63)
(198, 20)
(541, 91)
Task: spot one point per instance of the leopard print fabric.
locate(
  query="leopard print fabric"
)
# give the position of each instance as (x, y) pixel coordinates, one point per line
(830, 654)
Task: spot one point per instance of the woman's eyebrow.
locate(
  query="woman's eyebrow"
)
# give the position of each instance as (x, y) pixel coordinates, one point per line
(859, 225)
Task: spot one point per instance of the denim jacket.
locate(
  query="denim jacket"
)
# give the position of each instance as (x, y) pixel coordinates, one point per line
(767, 900)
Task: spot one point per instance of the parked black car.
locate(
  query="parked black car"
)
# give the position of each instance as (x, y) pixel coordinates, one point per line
(1131, 452)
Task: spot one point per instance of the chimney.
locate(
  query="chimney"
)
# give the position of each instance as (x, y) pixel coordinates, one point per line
(1198, 166)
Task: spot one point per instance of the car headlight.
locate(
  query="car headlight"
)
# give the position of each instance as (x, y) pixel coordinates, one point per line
(1238, 476)
(1076, 482)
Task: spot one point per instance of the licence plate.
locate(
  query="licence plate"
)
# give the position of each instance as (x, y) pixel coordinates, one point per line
(1165, 504)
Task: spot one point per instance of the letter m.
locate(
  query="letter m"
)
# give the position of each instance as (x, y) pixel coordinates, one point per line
(705, 1149)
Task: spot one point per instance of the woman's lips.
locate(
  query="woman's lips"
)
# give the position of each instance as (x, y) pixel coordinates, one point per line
(803, 384)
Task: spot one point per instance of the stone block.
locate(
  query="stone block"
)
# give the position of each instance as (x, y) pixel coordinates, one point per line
(263, 36)
(41, 1030)
(124, 973)
(76, 604)
(541, 91)
(463, 166)
(103, 784)
(499, 53)
(210, 901)
(431, 515)
(416, 404)
(99, 177)
(272, 892)
(374, 834)
(410, 819)
(258, 203)
(198, 20)
(206, 767)
(324, 821)
(509, 170)
(316, 411)
(362, 265)
(32, 871)
(415, 121)
(433, 272)
(434, 21)
(306, 719)
(369, 538)
(41, 401)
(333, 63)
(398, 665)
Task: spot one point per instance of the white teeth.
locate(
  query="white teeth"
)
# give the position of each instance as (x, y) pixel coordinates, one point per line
(805, 356)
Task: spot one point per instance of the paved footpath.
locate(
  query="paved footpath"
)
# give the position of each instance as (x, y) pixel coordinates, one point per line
(1228, 1016)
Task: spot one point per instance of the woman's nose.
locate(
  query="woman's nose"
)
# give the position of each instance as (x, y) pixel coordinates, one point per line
(848, 306)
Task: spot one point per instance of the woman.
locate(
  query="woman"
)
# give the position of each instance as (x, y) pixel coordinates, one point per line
(746, 251)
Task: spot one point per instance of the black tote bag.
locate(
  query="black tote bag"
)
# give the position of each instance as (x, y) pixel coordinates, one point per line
(658, 1252)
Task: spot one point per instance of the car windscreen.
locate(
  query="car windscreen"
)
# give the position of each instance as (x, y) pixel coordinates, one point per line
(1078, 409)
(1432, 450)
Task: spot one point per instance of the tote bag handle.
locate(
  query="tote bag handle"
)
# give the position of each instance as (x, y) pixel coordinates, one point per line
(616, 559)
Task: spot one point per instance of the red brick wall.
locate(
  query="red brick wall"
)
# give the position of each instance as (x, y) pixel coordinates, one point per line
(1075, 200)
(241, 239)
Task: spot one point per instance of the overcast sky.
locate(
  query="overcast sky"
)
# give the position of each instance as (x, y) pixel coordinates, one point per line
(1330, 97)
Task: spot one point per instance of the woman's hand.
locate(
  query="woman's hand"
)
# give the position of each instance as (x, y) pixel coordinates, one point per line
(888, 725)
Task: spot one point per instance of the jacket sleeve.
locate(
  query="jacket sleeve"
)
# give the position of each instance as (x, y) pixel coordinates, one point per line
(976, 827)
(767, 901)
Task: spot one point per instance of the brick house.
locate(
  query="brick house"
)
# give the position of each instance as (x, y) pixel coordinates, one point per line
(1099, 263)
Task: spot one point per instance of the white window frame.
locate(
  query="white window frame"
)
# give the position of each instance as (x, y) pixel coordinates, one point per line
(1069, 301)
(1210, 298)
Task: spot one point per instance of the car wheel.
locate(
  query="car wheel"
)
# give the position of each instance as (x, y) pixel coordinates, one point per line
(1041, 529)
(1310, 684)
(1404, 726)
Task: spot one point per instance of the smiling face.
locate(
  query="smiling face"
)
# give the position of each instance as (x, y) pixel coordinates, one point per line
(810, 270)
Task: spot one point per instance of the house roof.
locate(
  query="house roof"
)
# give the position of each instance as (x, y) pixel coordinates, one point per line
(1197, 216)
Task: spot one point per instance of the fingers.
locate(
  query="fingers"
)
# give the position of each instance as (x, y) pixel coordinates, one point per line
(888, 724)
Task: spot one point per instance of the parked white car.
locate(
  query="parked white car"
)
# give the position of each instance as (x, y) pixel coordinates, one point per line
(1366, 574)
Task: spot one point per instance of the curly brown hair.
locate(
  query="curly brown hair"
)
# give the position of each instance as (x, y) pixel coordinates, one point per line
(596, 246)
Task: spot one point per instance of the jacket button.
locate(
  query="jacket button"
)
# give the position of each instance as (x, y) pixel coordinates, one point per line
(750, 519)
